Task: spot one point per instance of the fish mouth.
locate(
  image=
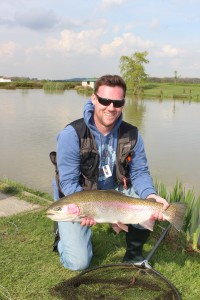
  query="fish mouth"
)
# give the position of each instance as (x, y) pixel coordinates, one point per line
(50, 213)
(52, 216)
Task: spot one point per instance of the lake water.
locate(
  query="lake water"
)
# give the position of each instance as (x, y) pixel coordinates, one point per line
(31, 119)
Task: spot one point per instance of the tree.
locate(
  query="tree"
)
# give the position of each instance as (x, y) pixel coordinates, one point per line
(132, 69)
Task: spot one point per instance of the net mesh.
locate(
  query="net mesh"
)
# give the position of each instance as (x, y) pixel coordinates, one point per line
(117, 282)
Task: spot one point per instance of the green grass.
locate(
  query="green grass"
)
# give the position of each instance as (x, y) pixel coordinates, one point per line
(43, 84)
(14, 188)
(21, 85)
(59, 86)
(182, 91)
(30, 270)
(191, 222)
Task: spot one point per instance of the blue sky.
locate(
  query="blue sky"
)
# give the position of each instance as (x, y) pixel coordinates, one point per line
(61, 39)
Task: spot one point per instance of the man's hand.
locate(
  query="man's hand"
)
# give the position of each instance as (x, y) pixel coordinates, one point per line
(88, 222)
(159, 215)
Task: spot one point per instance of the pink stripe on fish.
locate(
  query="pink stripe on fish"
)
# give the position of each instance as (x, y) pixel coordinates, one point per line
(129, 206)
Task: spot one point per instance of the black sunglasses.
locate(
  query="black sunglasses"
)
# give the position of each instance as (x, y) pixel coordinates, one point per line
(107, 102)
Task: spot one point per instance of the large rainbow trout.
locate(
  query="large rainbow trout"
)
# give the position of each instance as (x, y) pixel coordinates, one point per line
(109, 206)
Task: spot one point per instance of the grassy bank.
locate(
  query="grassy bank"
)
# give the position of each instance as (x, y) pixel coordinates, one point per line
(171, 91)
(159, 90)
(60, 86)
(21, 85)
(150, 90)
(30, 270)
(46, 85)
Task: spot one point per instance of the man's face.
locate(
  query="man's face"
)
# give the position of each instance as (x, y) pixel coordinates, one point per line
(106, 116)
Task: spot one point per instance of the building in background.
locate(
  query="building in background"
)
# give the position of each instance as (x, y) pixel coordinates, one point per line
(89, 82)
(5, 79)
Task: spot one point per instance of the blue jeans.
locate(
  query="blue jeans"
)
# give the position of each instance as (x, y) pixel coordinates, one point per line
(75, 245)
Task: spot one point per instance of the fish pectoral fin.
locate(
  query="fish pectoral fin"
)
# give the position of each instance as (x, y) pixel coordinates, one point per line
(117, 227)
(148, 224)
(123, 226)
(74, 219)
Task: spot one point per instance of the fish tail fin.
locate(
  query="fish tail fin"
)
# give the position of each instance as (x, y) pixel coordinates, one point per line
(180, 210)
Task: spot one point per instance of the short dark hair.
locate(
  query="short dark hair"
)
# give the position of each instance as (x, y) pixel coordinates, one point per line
(110, 80)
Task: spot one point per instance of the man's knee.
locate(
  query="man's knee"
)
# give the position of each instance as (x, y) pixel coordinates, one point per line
(75, 246)
(76, 263)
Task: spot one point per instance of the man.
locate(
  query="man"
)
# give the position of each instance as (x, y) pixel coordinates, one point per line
(94, 156)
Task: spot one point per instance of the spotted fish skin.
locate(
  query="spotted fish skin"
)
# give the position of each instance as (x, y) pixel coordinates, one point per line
(109, 206)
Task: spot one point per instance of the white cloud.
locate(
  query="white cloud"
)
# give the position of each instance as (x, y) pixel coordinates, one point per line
(71, 42)
(125, 45)
(48, 37)
(170, 51)
(136, 41)
(111, 48)
(7, 49)
(91, 42)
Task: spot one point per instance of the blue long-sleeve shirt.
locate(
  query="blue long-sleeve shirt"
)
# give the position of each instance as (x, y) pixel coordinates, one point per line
(68, 159)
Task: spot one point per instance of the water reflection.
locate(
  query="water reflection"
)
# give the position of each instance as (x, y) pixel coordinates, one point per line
(53, 92)
(134, 112)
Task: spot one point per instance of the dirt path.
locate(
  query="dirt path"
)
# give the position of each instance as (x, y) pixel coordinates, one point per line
(11, 205)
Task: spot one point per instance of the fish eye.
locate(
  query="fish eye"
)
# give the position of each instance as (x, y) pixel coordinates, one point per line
(58, 208)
